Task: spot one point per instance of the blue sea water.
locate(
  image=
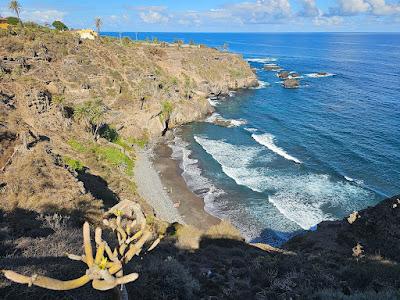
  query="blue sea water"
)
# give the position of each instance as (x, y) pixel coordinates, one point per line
(293, 158)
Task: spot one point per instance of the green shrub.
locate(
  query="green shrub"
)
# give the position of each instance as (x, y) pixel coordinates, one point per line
(166, 110)
(126, 41)
(73, 164)
(13, 21)
(109, 133)
(59, 26)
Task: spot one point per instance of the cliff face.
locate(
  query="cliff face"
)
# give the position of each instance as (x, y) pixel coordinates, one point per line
(50, 164)
(132, 79)
(145, 87)
(376, 229)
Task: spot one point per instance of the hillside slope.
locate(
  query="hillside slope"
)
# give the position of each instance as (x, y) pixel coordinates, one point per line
(54, 174)
(145, 88)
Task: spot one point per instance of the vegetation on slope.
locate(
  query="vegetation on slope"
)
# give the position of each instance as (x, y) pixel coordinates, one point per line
(56, 172)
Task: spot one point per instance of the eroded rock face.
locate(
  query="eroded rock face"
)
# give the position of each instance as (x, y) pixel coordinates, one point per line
(39, 101)
(7, 99)
(291, 83)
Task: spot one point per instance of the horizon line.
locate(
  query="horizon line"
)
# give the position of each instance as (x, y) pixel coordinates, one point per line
(253, 32)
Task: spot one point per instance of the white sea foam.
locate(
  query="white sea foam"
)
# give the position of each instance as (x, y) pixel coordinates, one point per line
(217, 119)
(349, 178)
(304, 199)
(261, 60)
(234, 160)
(261, 85)
(316, 75)
(267, 140)
(250, 129)
(213, 102)
(192, 173)
(357, 181)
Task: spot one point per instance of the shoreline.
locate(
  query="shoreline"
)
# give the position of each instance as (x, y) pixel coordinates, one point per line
(159, 181)
(189, 205)
(151, 188)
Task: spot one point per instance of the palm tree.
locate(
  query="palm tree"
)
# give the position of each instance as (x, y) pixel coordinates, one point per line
(16, 7)
(98, 23)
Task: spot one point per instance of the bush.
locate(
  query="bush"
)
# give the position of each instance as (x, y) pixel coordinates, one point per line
(13, 21)
(165, 279)
(109, 133)
(73, 164)
(59, 26)
(166, 110)
(224, 230)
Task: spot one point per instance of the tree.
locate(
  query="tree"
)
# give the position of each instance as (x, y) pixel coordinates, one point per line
(59, 26)
(16, 7)
(92, 113)
(98, 23)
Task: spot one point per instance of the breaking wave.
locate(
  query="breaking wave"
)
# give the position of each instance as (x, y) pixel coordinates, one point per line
(304, 199)
(217, 119)
(320, 75)
(267, 140)
(192, 173)
(261, 60)
(261, 85)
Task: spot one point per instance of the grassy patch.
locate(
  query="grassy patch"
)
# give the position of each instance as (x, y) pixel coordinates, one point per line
(114, 157)
(73, 164)
(77, 146)
(121, 142)
(141, 142)
(108, 154)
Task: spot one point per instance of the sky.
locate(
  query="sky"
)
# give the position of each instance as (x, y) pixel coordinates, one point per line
(217, 15)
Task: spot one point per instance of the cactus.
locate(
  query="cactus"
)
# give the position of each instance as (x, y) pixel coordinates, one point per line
(105, 266)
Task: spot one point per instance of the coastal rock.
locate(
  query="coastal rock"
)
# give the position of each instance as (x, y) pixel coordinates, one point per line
(272, 67)
(291, 83)
(294, 75)
(283, 75)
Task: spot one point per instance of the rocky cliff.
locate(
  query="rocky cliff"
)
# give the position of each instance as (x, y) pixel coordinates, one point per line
(54, 175)
(144, 88)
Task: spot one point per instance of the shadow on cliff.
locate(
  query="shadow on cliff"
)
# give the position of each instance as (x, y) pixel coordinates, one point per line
(98, 187)
(223, 268)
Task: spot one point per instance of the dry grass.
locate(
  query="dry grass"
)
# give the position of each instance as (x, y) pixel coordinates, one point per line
(224, 230)
(188, 237)
(36, 182)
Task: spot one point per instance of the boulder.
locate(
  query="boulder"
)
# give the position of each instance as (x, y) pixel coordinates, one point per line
(291, 83)
(283, 75)
(272, 67)
(294, 75)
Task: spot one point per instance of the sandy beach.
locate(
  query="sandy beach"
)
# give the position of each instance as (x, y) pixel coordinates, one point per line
(160, 183)
(152, 190)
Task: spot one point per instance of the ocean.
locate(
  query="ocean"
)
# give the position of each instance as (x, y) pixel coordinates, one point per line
(292, 158)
